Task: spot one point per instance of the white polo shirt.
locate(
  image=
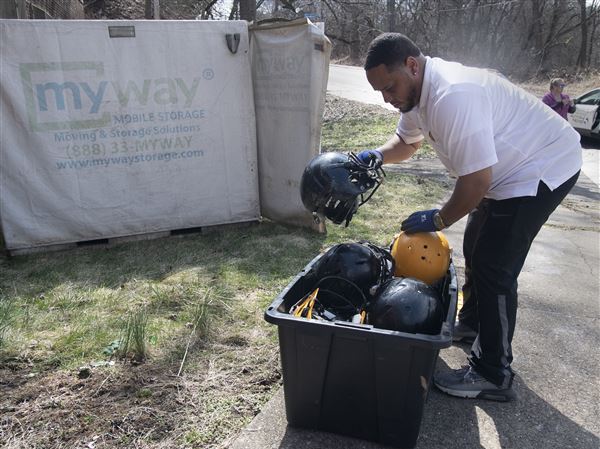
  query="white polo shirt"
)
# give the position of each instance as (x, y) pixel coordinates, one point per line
(475, 119)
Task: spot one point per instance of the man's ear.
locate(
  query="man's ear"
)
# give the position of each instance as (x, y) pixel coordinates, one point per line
(413, 65)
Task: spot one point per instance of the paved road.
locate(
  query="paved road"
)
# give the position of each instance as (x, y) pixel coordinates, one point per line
(555, 344)
(350, 82)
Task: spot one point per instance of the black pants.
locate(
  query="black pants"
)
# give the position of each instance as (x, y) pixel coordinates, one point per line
(497, 239)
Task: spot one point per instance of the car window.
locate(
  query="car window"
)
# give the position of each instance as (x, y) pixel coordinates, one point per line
(591, 98)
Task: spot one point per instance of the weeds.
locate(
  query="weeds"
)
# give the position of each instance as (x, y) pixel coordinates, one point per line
(200, 327)
(134, 335)
(7, 312)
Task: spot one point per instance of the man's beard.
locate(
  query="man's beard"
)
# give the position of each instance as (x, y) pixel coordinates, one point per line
(411, 101)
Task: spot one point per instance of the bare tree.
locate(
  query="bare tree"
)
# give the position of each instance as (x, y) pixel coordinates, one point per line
(247, 10)
(391, 11)
(8, 9)
(522, 38)
(582, 60)
(595, 21)
(235, 10)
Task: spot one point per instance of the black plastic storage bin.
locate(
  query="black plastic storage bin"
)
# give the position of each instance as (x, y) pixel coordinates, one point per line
(354, 379)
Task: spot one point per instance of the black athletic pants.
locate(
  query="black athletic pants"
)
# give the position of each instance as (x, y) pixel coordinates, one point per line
(497, 239)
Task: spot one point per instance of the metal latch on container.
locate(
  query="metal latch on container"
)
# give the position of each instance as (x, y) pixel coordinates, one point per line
(233, 42)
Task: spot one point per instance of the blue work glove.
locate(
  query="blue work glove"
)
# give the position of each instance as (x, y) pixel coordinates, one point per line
(421, 221)
(366, 156)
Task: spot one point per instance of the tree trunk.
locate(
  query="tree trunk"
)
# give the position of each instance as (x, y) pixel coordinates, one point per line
(582, 61)
(248, 10)
(235, 8)
(156, 9)
(355, 54)
(535, 26)
(8, 9)
(594, 28)
(21, 9)
(391, 12)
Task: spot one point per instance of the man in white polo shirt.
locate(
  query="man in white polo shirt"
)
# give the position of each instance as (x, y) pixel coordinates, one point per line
(514, 159)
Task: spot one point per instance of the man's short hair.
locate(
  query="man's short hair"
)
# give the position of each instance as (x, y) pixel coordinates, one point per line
(390, 49)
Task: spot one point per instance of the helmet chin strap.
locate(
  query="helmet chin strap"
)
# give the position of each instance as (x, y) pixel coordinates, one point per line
(363, 200)
(350, 211)
(386, 264)
(373, 170)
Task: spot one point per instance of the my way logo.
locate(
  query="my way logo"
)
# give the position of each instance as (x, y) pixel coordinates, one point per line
(74, 95)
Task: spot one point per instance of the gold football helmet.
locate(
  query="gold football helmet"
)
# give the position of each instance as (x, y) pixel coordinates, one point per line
(424, 256)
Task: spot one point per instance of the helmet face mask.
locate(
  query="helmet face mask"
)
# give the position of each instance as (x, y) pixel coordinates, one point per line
(348, 275)
(339, 211)
(334, 185)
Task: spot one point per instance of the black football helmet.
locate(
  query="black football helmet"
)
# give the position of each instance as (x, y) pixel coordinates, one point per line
(335, 185)
(348, 275)
(407, 305)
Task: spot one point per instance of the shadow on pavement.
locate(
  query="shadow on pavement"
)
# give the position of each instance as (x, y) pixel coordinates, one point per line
(585, 191)
(527, 423)
(454, 423)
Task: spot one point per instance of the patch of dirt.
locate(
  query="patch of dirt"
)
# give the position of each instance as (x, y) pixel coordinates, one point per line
(113, 406)
(142, 406)
(338, 108)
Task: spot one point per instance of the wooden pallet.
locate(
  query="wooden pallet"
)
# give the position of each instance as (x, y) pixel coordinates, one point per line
(113, 241)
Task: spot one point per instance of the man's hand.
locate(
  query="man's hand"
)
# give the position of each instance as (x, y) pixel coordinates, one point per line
(421, 221)
(366, 156)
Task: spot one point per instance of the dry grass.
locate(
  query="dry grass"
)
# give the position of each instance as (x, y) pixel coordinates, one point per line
(576, 86)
